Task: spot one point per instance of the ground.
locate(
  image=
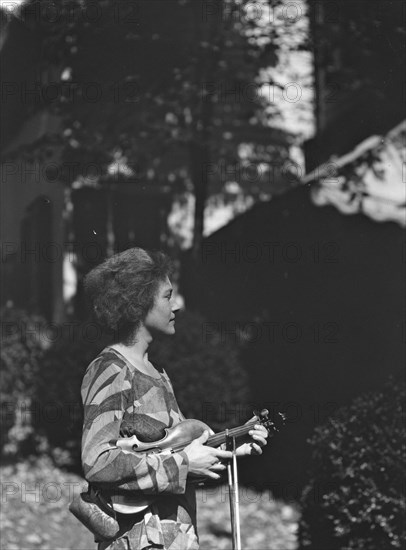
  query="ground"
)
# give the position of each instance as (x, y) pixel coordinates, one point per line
(35, 515)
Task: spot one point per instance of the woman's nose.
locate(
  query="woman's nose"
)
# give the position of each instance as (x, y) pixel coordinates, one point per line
(175, 305)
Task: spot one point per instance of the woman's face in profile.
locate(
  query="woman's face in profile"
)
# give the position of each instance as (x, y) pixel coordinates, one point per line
(161, 318)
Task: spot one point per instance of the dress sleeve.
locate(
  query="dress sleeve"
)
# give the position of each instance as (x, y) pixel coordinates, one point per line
(106, 391)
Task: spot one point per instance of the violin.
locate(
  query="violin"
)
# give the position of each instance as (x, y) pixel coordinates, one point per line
(176, 439)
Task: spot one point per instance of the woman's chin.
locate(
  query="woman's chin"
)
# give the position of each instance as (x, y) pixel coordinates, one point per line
(170, 329)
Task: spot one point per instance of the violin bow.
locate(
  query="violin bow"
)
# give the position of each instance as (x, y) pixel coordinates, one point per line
(233, 492)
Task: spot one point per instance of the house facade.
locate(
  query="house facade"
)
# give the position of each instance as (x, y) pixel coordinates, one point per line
(32, 196)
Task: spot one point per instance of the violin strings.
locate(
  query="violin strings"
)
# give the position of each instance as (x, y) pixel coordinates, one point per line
(219, 438)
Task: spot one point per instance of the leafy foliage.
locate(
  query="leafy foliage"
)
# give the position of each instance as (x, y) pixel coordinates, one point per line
(355, 497)
(58, 390)
(22, 347)
(190, 86)
(160, 94)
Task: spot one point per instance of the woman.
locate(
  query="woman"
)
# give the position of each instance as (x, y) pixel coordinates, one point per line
(124, 394)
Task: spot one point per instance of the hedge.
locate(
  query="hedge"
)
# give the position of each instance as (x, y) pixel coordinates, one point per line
(355, 497)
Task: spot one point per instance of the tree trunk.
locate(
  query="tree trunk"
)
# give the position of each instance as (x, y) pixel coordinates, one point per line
(200, 160)
(200, 145)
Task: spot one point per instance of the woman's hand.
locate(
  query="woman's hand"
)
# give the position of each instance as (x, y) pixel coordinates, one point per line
(204, 460)
(259, 435)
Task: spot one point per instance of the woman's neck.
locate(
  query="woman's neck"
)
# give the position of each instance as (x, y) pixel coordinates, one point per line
(138, 347)
(137, 354)
(132, 352)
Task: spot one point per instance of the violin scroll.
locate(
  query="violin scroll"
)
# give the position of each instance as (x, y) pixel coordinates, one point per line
(274, 425)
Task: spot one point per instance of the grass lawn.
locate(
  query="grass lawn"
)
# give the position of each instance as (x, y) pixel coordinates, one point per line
(35, 515)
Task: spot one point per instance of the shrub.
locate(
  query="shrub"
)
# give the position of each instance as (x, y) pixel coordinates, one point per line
(355, 496)
(21, 350)
(57, 398)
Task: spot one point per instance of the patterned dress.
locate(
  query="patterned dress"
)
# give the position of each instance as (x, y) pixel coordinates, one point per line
(119, 400)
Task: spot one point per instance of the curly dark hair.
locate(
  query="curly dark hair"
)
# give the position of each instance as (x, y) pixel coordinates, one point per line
(122, 289)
